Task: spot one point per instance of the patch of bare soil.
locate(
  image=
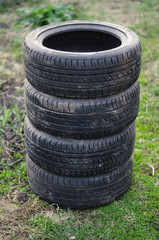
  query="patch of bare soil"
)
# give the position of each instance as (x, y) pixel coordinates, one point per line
(11, 143)
(15, 210)
(11, 80)
(12, 74)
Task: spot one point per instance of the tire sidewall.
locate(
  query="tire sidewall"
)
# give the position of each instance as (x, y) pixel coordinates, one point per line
(128, 38)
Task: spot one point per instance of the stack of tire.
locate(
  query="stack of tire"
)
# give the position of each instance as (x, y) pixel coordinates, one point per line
(82, 99)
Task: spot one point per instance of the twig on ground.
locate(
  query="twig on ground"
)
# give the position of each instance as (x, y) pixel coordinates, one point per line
(14, 163)
(153, 169)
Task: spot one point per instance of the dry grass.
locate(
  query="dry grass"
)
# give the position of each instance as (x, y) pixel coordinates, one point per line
(15, 209)
(119, 12)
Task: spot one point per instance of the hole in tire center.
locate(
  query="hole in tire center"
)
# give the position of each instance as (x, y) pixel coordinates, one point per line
(82, 41)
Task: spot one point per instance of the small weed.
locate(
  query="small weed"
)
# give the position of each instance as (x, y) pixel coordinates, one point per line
(12, 148)
(12, 176)
(46, 15)
(20, 89)
(10, 116)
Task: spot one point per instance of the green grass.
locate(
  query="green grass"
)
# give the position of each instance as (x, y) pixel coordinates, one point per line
(45, 15)
(12, 165)
(131, 217)
(135, 215)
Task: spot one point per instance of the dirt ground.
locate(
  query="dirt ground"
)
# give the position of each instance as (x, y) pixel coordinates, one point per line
(16, 208)
(12, 74)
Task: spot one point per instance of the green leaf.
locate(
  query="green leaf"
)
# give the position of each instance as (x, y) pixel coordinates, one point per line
(46, 15)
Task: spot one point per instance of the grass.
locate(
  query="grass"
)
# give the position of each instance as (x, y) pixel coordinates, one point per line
(11, 148)
(45, 15)
(135, 215)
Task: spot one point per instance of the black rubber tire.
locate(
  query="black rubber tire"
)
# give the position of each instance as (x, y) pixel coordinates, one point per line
(82, 119)
(78, 157)
(72, 74)
(80, 193)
